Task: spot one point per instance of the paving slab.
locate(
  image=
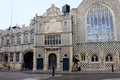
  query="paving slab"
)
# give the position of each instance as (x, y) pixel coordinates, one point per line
(112, 79)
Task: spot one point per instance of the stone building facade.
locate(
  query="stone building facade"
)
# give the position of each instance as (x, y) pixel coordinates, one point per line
(86, 37)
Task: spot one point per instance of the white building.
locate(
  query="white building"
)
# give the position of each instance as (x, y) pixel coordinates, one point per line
(89, 34)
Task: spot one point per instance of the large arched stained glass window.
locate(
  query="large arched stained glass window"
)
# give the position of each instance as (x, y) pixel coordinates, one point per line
(99, 24)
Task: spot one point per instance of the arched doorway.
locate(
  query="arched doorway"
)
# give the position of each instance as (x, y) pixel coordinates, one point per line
(5, 58)
(52, 60)
(28, 60)
(5, 62)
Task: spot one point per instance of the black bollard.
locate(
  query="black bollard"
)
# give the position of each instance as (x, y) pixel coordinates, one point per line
(112, 67)
(9, 67)
(53, 71)
(79, 68)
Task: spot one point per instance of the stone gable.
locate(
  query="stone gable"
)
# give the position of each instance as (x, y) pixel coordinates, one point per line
(52, 11)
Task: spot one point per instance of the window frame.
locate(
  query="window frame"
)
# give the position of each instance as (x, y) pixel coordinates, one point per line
(32, 34)
(26, 36)
(13, 39)
(65, 23)
(94, 58)
(1, 58)
(109, 58)
(95, 13)
(52, 39)
(83, 57)
(11, 57)
(17, 59)
(19, 38)
(40, 27)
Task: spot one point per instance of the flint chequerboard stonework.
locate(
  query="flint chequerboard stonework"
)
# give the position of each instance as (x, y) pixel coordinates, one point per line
(86, 38)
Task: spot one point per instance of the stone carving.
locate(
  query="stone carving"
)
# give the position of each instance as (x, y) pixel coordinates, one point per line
(52, 11)
(52, 26)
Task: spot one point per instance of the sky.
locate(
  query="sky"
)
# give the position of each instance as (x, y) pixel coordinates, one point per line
(19, 12)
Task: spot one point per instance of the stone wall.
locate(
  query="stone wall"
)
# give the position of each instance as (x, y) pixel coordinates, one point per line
(82, 10)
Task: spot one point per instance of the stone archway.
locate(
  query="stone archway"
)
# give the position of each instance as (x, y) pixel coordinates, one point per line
(5, 58)
(5, 62)
(28, 60)
(52, 61)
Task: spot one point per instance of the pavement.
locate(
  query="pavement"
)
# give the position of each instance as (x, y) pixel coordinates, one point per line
(40, 75)
(88, 76)
(112, 79)
(22, 76)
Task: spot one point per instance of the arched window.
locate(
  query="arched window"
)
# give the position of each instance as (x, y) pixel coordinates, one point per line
(82, 57)
(99, 21)
(109, 58)
(94, 58)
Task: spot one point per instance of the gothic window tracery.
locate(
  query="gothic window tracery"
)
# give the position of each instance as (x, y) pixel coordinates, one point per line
(109, 58)
(83, 57)
(99, 24)
(94, 58)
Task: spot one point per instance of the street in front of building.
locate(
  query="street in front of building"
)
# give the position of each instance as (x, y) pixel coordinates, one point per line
(22, 76)
(88, 75)
(29, 75)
